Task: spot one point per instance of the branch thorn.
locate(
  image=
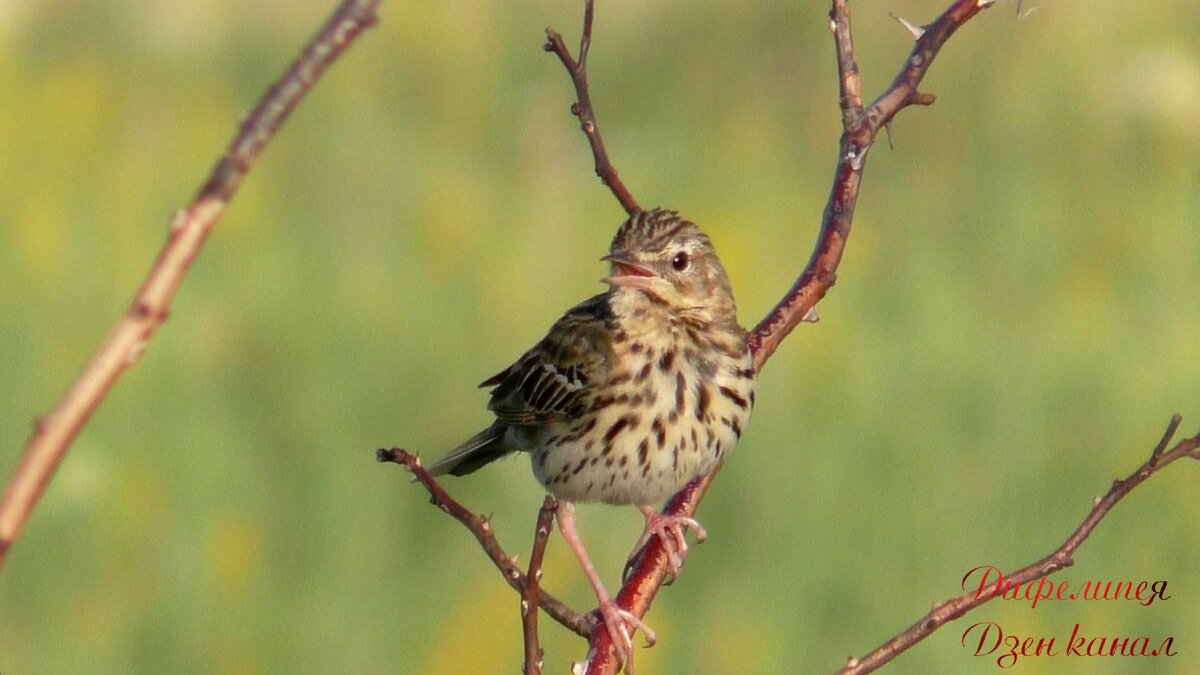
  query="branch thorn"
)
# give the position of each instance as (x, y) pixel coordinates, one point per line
(915, 31)
(1026, 14)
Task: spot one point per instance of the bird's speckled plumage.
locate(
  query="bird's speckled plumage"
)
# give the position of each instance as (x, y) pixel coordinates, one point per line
(633, 392)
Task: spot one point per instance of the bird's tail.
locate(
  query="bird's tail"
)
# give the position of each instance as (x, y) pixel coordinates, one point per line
(482, 448)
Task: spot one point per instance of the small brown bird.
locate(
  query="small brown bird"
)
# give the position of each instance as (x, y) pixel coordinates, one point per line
(631, 394)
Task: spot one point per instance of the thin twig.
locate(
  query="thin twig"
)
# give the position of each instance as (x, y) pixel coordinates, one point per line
(531, 595)
(582, 107)
(481, 528)
(1172, 427)
(53, 433)
(860, 127)
(849, 78)
(1059, 559)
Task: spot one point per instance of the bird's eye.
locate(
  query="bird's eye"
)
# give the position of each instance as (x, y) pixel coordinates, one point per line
(680, 261)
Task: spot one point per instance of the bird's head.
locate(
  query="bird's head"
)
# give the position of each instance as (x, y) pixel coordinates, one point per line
(669, 260)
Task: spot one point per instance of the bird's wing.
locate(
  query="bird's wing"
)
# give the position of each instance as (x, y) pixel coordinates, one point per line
(553, 381)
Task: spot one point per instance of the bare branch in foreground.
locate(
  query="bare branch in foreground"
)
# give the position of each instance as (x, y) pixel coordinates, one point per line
(53, 433)
(481, 528)
(1061, 557)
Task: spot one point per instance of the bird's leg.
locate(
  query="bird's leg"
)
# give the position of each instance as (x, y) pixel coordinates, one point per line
(669, 530)
(620, 624)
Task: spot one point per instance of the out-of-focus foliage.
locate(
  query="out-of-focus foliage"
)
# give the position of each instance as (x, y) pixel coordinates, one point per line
(1016, 318)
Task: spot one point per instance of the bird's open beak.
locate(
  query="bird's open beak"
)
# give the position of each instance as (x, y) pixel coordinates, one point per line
(628, 273)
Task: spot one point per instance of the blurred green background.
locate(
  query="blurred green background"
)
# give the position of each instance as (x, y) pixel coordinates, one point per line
(1015, 321)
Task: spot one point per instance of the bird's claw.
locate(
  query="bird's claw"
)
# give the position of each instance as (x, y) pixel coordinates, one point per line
(621, 626)
(669, 530)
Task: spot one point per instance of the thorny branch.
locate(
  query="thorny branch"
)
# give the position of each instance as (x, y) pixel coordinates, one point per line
(859, 128)
(582, 108)
(54, 432)
(531, 595)
(482, 529)
(1061, 558)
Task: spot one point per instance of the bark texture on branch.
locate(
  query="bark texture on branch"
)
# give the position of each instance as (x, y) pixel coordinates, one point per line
(190, 227)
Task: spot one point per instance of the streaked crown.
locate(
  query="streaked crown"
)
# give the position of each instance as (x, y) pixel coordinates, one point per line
(668, 258)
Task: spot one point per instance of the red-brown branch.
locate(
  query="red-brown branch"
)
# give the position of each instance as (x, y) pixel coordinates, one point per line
(481, 528)
(54, 432)
(859, 130)
(1061, 557)
(582, 108)
(647, 578)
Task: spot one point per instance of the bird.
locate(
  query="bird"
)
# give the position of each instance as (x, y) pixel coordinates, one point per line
(631, 394)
